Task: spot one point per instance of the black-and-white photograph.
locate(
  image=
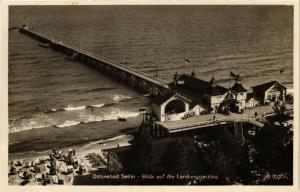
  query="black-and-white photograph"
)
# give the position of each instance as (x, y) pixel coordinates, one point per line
(150, 95)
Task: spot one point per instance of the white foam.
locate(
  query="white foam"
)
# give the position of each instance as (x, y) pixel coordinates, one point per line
(46, 121)
(118, 98)
(71, 108)
(36, 122)
(98, 105)
(113, 115)
(18, 129)
(68, 123)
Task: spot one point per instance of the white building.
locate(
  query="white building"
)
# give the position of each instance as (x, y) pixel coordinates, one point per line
(174, 107)
(269, 92)
(206, 92)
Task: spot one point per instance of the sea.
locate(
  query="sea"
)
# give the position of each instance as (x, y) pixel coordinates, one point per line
(50, 97)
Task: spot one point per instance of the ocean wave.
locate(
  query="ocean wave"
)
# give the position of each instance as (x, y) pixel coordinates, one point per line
(53, 110)
(113, 115)
(99, 105)
(118, 98)
(68, 123)
(83, 90)
(100, 89)
(71, 108)
(41, 121)
(24, 128)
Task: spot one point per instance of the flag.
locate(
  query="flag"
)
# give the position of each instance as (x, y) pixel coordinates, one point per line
(234, 76)
(212, 80)
(186, 61)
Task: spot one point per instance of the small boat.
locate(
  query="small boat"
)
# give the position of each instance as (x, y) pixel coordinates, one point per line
(46, 45)
(72, 57)
(122, 119)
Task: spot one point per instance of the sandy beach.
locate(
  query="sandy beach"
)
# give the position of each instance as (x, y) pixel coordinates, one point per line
(85, 158)
(32, 148)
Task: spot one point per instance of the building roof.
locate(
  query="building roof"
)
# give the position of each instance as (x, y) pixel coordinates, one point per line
(266, 86)
(249, 96)
(161, 99)
(238, 88)
(200, 86)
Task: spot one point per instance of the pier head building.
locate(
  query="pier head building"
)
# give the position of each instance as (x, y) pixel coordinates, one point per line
(193, 97)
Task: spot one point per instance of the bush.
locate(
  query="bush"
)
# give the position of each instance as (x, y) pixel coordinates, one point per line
(289, 99)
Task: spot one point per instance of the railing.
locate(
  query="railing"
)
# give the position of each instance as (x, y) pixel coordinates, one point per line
(211, 122)
(198, 124)
(140, 74)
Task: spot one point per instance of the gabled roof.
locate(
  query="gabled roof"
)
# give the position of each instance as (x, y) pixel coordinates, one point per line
(249, 96)
(238, 88)
(200, 86)
(195, 97)
(266, 86)
(161, 99)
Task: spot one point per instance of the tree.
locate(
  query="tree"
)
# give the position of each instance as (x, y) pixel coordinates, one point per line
(180, 156)
(289, 99)
(141, 148)
(270, 150)
(245, 167)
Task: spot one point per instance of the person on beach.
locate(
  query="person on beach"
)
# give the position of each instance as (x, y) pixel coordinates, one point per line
(13, 170)
(52, 165)
(69, 157)
(55, 153)
(26, 176)
(44, 178)
(80, 170)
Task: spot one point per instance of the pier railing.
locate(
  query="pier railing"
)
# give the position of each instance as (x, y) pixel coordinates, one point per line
(146, 82)
(199, 124)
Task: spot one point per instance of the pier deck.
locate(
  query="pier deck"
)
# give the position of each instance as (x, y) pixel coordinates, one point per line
(137, 79)
(208, 120)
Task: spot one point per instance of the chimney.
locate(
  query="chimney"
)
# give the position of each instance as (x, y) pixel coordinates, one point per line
(212, 82)
(175, 79)
(193, 74)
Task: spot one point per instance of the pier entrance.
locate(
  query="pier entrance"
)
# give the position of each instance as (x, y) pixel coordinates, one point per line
(175, 106)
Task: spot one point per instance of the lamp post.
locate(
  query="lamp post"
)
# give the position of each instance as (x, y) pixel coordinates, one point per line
(249, 114)
(143, 111)
(214, 118)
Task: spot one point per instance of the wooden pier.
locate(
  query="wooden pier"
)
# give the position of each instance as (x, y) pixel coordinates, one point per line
(141, 81)
(162, 129)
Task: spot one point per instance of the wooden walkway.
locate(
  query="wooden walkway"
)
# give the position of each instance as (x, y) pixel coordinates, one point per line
(138, 79)
(199, 122)
(208, 120)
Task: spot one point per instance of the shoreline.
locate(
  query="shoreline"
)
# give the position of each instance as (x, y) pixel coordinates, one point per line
(41, 141)
(82, 149)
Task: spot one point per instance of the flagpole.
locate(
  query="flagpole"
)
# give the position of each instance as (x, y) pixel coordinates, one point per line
(229, 81)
